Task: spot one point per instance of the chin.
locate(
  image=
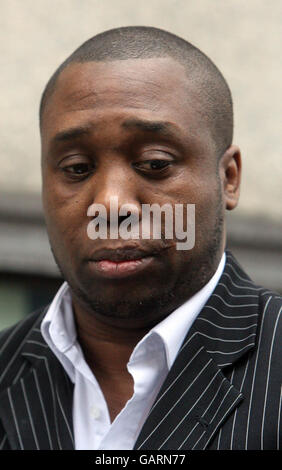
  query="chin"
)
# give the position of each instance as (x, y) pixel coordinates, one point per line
(144, 308)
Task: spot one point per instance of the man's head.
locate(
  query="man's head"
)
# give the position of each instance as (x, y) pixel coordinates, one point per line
(143, 116)
(212, 92)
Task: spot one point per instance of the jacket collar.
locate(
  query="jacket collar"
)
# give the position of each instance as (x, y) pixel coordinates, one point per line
(196, 396)
(227, 324)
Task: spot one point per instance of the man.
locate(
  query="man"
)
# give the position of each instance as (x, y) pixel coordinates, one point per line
(144, 346)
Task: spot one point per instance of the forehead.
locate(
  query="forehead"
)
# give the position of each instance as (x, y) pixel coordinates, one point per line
(156, 89)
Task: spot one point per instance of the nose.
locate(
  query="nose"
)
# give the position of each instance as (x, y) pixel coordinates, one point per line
(115, 189)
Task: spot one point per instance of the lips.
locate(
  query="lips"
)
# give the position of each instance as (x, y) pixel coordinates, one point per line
(120, 269)
(120, 254)
(120, 262)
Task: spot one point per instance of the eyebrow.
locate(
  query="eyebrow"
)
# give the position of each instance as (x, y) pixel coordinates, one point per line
(167, 129)
(159, 127)
(72, 133)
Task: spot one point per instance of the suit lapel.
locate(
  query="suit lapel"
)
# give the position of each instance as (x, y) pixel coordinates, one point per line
(196, 396)
(37, 410)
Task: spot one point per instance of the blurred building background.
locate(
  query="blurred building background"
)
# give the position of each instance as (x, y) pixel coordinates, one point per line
(242, 38)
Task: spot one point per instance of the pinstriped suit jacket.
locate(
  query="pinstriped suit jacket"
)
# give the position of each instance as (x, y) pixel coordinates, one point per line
(223, 391)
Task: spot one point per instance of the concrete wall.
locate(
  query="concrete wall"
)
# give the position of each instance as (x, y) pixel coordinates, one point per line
(243, 38)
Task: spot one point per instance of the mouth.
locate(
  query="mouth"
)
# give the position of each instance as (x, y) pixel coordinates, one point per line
(120, 263)
(120, 269)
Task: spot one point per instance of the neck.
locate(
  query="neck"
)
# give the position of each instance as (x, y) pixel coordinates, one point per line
(106, 347)
(107, 350)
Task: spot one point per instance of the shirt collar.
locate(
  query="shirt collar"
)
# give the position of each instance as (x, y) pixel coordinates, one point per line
(58, 327)
(175, 326)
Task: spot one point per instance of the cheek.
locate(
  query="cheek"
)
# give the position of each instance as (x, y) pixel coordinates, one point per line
(66, 220)
(209, 211)
(202, 188)
(203, 192)
(61, 203)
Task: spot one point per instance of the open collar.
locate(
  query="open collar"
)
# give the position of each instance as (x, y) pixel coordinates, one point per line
(196, 396)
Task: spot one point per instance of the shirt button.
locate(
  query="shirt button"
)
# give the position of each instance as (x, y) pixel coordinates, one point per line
(95, 412)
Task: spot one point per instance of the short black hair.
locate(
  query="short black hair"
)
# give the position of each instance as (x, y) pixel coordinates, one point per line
(143, 42)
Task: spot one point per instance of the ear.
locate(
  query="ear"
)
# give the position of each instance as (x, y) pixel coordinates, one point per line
(230, 166)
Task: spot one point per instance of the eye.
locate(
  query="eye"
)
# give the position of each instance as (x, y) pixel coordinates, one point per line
(152, 165)
(78, 170)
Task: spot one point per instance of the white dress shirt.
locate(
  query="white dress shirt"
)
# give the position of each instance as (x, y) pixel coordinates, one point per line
(149, 364)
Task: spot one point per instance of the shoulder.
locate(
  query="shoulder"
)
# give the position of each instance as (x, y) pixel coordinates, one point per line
(15, 333)
(270, 306)
(13, 339)
(267, 303)
(267, 353)
(270, 318)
